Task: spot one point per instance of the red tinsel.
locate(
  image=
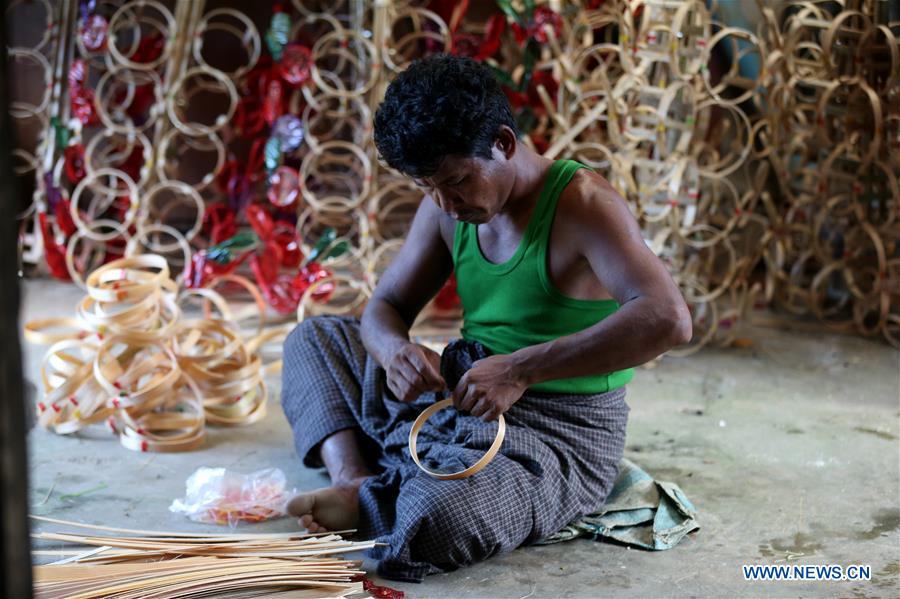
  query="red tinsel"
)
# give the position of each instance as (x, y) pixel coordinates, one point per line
(74, 163)
(54, 252)
(376, 591)
(64, 217)
(543, 15)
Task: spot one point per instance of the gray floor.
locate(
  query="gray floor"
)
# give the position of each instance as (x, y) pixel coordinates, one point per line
(789, 448)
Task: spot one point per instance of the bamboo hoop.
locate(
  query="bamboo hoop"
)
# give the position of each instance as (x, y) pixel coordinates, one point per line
(244, 31)
(182, 190)
(202, 143)
(130, 360)
(96, 156)
(398, 47)
(166, 29)
(467, 472)
(132, 80)
(174, 100)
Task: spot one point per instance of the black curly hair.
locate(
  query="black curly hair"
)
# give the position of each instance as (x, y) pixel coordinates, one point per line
(439, 106)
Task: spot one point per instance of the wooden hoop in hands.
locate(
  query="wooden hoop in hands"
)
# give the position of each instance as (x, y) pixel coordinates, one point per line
(476, 467)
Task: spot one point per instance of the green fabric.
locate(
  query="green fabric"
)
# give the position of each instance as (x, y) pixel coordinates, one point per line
(514, 304)
(639, 511)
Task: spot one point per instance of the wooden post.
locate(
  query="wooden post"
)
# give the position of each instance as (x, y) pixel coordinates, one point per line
(15, 554)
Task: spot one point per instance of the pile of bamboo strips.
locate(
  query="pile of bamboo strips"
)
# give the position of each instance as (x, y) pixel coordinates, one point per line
(124, 563)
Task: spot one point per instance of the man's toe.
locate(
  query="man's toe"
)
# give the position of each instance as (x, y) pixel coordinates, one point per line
(301, 505)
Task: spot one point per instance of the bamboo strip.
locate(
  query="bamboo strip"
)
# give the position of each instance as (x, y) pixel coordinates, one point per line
(165, 564)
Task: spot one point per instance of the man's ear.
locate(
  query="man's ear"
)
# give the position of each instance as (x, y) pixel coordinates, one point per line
(506, 142)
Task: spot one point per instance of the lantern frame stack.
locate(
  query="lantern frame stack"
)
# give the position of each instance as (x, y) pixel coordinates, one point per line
(761, 164)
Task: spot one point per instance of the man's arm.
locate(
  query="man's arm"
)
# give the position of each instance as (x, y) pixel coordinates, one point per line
(416, 274)
(653, 316)
(651, 319)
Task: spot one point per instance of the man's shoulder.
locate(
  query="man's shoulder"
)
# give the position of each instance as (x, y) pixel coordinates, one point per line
(440, 220)
(589, 199)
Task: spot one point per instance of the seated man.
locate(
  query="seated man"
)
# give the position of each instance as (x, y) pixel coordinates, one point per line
(561, 299)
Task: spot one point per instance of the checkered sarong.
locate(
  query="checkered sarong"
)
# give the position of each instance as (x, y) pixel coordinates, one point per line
(558, 461)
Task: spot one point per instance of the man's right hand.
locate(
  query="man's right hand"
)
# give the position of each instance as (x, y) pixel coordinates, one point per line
(414, 370)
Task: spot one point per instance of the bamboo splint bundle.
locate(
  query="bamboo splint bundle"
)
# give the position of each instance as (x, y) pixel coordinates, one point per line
(129, 359)
(167, 564)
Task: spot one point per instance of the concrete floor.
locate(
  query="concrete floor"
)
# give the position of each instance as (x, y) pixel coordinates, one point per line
(789, 448)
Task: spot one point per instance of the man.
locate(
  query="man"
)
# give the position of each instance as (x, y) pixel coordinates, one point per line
(561, 299)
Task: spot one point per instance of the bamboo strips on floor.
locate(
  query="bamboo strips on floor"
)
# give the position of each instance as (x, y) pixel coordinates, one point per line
(126, 563)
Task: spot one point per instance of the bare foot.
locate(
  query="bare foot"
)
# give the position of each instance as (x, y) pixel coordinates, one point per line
(331, 508)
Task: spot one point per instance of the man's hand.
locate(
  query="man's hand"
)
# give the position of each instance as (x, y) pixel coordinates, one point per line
(489, 388)
(414, 370)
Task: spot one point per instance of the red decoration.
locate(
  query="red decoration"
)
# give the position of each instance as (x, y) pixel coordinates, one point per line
(255, 158)
(530, 97)
(281, 291)
(233, 183)
(121, 206)
(74, 163)
(273, 102)
(443, 8)
(496, 25)
(139, 107)
(132, 165)
(219, 223)
(81, 99)
(64, 217)
(542, 16)
(541, 143)
(289, 249)
(376, 591)
(82, 106)
(54, 252)
(277, 289)
(312, 273)
(149, 48)
(296, 60)
(466, 44)
(93, 32)
(267, 261)
(261, 221)
(284, 187)
(481, 48)
(199, 271)
(202, 270)
(281, 249)
(248, 118)
(447, 298)
(77, 74)
(546, 79)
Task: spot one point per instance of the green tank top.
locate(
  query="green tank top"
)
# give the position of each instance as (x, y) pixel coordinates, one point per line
(514, 304)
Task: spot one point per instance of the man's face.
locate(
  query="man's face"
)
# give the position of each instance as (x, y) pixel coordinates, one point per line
(470, 189)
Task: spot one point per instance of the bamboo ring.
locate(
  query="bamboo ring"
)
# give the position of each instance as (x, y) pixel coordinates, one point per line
(474, 468)
(180, 88)
(245, 32)
(166, 29)
(130, 214)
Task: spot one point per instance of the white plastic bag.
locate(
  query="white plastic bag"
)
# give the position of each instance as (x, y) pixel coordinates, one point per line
(218, 496)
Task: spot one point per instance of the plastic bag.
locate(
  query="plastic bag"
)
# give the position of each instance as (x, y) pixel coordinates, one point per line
(218, 496)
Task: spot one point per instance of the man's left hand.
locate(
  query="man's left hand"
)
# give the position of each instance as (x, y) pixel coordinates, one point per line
(489, 388)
